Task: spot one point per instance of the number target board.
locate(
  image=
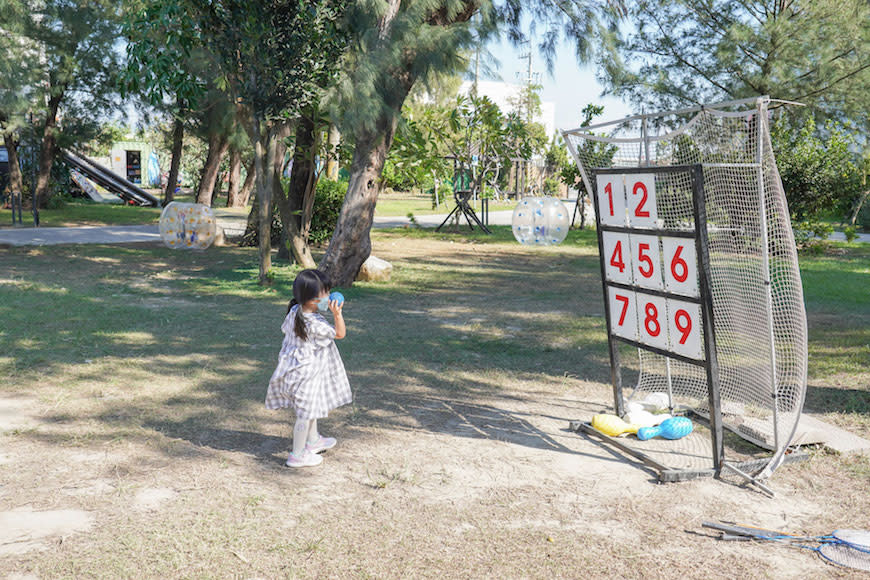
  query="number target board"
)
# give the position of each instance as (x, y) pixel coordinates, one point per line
(651, 276)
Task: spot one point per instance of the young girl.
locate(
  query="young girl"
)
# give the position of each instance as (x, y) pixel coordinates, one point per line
(310, 376)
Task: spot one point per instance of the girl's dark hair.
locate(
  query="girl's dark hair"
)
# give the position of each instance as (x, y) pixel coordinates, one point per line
(307, 285)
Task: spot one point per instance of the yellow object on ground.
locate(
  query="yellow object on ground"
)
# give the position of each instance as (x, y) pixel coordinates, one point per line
(612, 425)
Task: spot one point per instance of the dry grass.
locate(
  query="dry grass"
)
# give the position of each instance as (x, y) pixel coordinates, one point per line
(137, 374)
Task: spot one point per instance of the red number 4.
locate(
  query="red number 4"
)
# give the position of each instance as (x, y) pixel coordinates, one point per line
(616, 259)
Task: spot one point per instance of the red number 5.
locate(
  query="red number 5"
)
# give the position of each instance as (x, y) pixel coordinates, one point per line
(642, 257)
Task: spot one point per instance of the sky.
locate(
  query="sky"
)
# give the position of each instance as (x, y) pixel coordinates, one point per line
(570, 86)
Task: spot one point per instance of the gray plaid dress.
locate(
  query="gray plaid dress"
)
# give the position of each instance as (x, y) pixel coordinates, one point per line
(310, 376)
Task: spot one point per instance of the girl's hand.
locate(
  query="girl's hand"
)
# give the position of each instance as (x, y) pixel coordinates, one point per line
(335, 307)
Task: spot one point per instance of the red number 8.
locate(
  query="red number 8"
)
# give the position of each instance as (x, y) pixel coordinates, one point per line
(652, 316)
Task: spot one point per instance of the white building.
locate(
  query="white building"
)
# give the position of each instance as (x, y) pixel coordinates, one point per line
(507, 96)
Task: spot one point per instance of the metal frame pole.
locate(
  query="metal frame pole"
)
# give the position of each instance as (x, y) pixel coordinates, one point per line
(702, 248)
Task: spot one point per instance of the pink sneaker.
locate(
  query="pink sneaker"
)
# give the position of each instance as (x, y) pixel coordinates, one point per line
(322, 444)
(307, 459)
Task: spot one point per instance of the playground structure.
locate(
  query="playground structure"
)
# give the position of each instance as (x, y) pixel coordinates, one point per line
(111, 181)
(699, 272)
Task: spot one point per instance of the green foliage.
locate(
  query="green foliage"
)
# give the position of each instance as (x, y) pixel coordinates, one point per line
(684, 52)
(327, 205)
(812, 237)
(817, 168)
(61, 49)
(851, 233)
(864, 217)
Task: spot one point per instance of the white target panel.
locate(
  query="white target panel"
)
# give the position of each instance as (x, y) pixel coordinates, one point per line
(617, 257)
(652, 320)
(640, 189)
(646, 261)
(684, 328)
(623, 312)
(611, 199)
(680, 266)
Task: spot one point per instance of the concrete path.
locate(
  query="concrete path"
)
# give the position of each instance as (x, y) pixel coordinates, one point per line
(233, 225)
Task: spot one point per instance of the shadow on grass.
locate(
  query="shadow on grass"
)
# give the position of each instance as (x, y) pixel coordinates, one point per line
(422, 352)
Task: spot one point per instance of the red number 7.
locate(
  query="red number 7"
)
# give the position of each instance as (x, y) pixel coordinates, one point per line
(624, 300)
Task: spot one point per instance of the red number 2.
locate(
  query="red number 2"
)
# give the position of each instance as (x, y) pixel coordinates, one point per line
(639, 211)
(685, 328)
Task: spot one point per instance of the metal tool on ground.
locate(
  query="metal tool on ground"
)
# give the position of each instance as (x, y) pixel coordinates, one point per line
(845, 547)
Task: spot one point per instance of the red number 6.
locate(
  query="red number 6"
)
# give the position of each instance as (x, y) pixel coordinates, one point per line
(677, 261)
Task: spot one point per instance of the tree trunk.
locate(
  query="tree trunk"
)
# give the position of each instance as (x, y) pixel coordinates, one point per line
(248, 185)
(235, 175)
(264, 159)
(351, 244)
(48, 150)
(281, 133)
(334, 140)
(296, 207)
(16, 182)
(175, 164)
(217, 146)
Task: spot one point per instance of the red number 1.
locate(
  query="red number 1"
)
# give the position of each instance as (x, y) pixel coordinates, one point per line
(608, 189)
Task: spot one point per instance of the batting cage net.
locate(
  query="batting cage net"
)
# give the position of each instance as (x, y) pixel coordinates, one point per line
(757, 301)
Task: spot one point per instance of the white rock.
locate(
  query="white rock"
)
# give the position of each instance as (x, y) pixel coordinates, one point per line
(375, 270)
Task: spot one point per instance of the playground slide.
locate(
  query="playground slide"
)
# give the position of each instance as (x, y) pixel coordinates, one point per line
(90, 188)
(110, 180)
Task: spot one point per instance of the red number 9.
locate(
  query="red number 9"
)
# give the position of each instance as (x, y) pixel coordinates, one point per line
(685, 328)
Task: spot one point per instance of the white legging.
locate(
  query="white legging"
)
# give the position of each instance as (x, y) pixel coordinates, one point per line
(304, 431)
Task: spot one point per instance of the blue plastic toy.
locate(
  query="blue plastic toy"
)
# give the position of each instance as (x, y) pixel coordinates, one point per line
(338, 297)
(673, 428)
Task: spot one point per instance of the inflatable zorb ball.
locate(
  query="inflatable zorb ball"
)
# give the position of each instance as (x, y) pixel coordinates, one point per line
(541, 221)
(187, 225)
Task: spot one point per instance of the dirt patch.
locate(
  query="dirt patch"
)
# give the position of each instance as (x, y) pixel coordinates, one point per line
(25, 530)
(454, 460)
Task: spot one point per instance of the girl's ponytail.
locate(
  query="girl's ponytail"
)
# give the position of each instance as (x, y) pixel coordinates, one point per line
(299, 325)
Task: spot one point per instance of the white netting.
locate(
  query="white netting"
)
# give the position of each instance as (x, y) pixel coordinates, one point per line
(760, 333)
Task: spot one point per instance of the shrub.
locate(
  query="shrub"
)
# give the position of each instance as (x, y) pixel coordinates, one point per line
(329, 196)
(327, 205)
(850, 234)
(812, 237)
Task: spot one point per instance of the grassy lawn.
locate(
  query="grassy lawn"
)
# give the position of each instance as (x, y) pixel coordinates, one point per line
(86, 213)
(132, 398)
(83, 213)
(401, 204)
